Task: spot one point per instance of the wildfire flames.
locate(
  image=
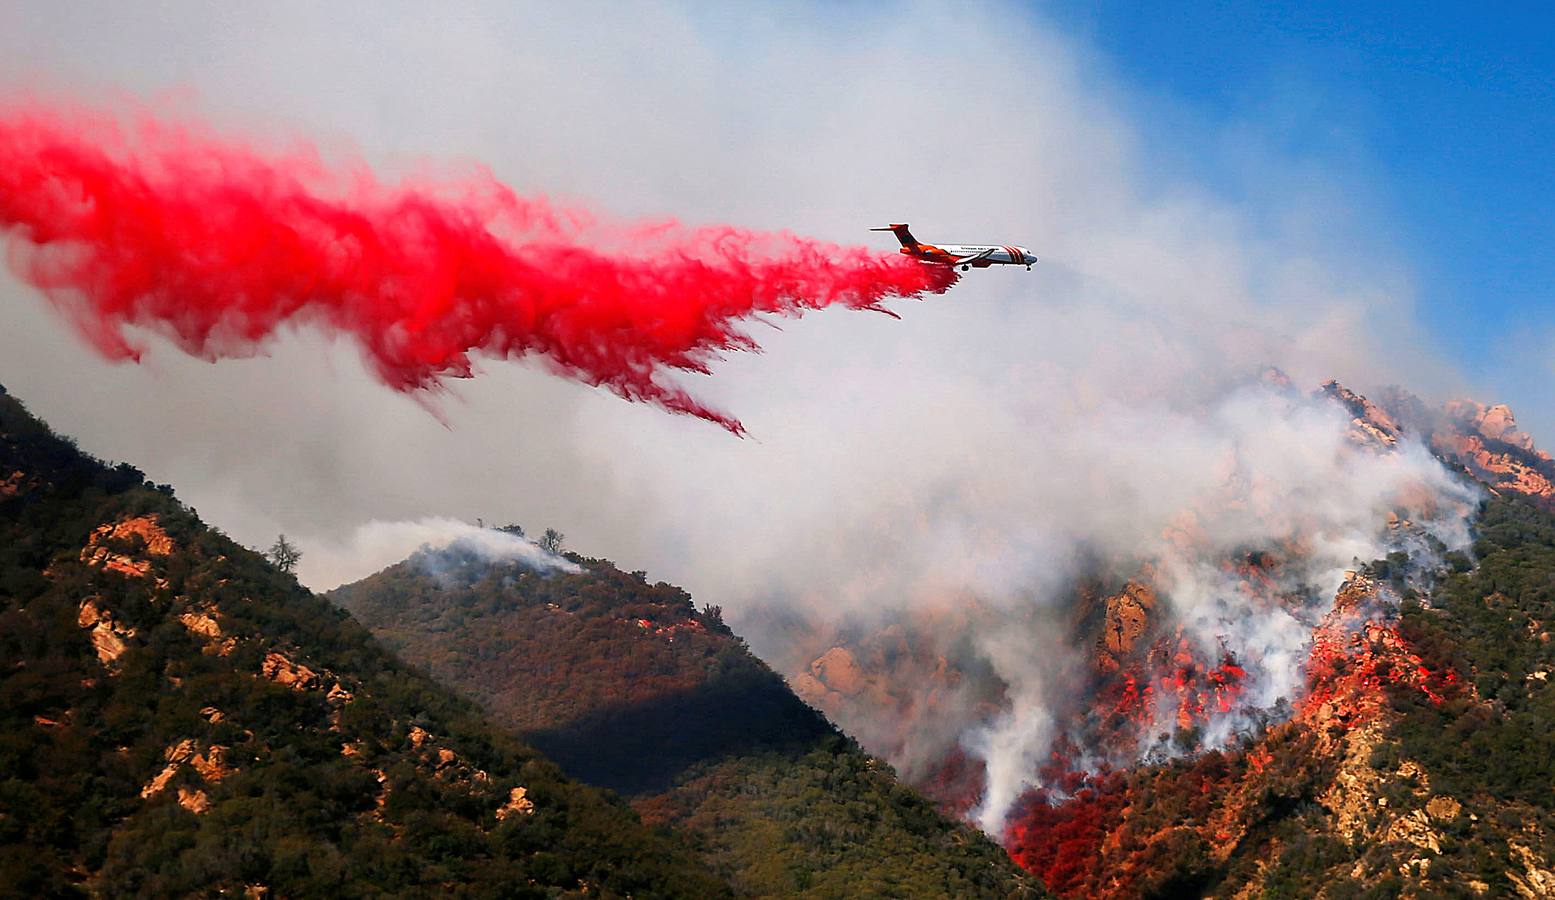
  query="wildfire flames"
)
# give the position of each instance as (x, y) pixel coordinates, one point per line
(1193, 691)
(1080, 833)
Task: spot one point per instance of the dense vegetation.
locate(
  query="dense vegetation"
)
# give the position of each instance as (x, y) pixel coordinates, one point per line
(1197, 826)
(232, 732)
(1493, 741)
(1492, 625)
(626, 684)
(1487, 742)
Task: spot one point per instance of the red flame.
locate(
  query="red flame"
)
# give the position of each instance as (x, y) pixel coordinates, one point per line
(1183, 687)
(1199, 692)
(1061, 842)
(1347, 674)
(216, 246)
(1084, 833)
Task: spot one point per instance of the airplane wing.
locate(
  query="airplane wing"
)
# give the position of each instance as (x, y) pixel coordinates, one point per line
(976, 256)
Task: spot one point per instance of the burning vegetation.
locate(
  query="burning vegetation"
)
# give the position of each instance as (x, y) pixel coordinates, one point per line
(1415, 761)
(1219, 722)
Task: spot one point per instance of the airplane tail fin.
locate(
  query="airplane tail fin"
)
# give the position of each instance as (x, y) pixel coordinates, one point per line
(902, 234)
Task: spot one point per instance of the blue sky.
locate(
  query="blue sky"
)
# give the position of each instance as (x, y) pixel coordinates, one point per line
(1441, 115)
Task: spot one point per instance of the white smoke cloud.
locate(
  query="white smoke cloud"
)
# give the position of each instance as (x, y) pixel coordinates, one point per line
(1284, 493)
(377, 545)
(1185, 484)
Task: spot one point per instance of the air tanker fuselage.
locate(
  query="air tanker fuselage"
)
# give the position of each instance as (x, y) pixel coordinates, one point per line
(964, 256)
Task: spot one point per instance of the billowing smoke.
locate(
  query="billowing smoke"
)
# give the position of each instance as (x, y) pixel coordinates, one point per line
(377, 545)
(1005, 629)
(216, 246)
(1240, 578)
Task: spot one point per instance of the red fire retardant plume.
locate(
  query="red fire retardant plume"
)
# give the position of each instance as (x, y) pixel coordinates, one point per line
(216, 246)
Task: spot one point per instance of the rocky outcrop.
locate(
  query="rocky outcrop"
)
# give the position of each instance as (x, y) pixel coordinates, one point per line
(16, 484)
(202, 623)
(1495, 423)
(443, 762)
(518, 804)
(1356, 653)
(283, 671)
(1362, 815)
(1483, 441)
(109, 636)
(1351, 799)
(141, 531)
(1534, 880)
(1502, 470)
(836, 678)
(210, 766)
(1276, 379)
(122, 723)
(1126, 617)
(193, 800)
(1369, 423)
(889, 684)
(288, 673)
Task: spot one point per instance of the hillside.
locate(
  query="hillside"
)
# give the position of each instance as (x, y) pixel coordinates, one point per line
(1409, 756)
(182, 719)
(1418, 763)
(626, 684)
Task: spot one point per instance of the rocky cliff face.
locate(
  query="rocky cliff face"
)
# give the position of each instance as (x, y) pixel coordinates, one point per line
(1368, 421)
(1487, 442)
(1483, 441)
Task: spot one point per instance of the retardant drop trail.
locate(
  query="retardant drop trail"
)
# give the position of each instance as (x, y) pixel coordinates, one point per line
(215, 245)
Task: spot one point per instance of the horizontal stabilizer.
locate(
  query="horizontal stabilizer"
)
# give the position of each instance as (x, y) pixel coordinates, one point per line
(902, 234)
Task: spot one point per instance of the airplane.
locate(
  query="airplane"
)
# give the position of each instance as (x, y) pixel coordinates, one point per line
(967, 256)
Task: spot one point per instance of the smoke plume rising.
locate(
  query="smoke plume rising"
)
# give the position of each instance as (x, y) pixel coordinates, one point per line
(377, 545)
(1243, 572)
(995, 627)
(217, 247)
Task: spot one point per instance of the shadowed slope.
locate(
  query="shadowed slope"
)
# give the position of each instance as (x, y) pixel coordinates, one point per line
(625, 683)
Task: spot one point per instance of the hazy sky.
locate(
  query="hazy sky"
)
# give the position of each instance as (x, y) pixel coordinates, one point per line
(1191, 231)
(1440, 115)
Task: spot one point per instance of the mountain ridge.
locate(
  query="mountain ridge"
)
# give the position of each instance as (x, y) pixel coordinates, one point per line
(627, 684)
